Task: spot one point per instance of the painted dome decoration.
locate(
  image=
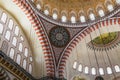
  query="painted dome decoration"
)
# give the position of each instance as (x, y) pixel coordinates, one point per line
(106, 41)
(59, 36)
(75, 12)
(105, 38)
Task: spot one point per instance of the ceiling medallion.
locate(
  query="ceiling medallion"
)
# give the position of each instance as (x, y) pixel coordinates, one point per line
(75, 13)
(59, 36)
(106, 41)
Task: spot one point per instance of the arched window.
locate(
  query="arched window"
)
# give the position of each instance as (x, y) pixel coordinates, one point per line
(38, 6)
(14, 42)
(18, 60)
(80, 68)
(101, 71)
(73, 20)
(101, 13)
(1, 28)
(117, 68)
(110, 7)
(55, 15)
(7, 35)
(16, 31)
(4, 17)
(30, 68)
(11, 54)
(10, 24)
(26, 52)
(82, 19)
(92, 16)
(46, 12)
(24, 63)
(86, 70)
(109, 70)
(4, 46)
(31, 59)
(21, 38)
(75, 65)
(20, 47)
(93, 71)
(64, 18)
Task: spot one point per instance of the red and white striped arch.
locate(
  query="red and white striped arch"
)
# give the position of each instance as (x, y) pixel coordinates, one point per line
(79, 37)
(41, 34)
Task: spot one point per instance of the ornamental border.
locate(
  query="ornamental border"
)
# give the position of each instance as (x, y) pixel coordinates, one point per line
(37, 25)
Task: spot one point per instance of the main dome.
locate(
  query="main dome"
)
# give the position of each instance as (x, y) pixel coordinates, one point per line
(76, 12)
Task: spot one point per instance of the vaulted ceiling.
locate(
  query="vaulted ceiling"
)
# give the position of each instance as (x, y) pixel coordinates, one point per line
(65, 35)
(77, 12)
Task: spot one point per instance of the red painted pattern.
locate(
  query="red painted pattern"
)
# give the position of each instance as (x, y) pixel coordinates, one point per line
(40, 32)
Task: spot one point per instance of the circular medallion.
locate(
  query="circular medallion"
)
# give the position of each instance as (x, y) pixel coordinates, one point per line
(105, 38)
(106, 41)
(59, 36)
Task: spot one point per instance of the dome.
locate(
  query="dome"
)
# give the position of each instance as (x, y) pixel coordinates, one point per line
(77, 13)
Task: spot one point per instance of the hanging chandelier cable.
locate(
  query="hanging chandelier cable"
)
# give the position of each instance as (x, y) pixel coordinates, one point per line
(106, 51)
(78, 57)
(87, 52)
(88, 55)
(94, 51)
